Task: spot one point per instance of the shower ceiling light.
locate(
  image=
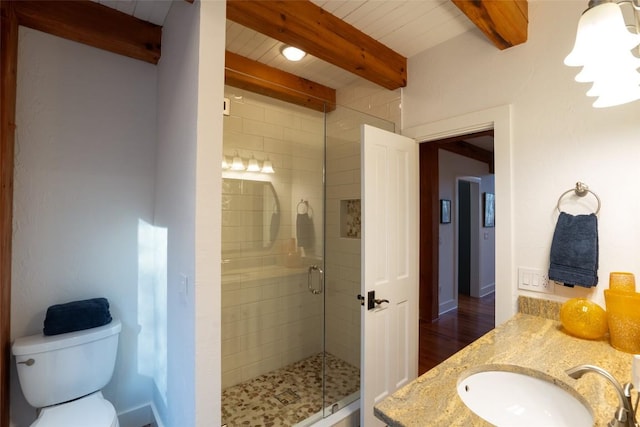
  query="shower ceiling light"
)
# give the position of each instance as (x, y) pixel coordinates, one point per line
(292, 53)
(267, 167)
(603, 48)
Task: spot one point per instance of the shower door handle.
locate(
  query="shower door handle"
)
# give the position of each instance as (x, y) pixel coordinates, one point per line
(316, 290)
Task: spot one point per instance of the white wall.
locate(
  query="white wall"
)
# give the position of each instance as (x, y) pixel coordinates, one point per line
(557, 137)
(374, 100)
(175, 204)
(450, 167)
(208, 213)
(85, 153)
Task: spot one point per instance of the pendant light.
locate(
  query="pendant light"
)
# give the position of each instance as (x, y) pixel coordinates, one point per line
(603, 48)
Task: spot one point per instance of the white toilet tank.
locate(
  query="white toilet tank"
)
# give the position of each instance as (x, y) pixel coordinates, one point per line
(58, 368)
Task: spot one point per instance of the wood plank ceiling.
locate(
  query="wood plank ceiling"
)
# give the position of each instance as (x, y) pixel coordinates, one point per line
(346, 40)
(259, 28)
(407, 27)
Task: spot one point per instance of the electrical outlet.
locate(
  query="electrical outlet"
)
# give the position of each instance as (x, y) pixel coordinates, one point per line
(548, 285)
(533, 279)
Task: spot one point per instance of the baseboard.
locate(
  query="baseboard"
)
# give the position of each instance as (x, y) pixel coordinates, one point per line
(487, 289)
(142, 415)
(447, 306)
(156, 417)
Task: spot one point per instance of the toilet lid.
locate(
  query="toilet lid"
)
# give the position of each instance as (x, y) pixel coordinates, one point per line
(90, 411)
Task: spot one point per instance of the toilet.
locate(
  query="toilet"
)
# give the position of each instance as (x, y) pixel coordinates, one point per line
(63, 375)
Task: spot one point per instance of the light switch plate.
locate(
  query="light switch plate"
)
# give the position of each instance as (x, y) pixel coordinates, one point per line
(536, 280)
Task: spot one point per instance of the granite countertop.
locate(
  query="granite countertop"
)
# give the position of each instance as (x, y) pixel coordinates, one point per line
(526, 341)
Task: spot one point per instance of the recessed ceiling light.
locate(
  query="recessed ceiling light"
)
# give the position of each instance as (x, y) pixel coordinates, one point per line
(292, 53)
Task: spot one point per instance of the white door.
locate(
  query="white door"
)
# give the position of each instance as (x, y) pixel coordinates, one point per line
(390, 266)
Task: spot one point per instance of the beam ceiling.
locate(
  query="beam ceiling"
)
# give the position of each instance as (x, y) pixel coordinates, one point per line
(93, 24)
(321, 34)
(459, 145)
(504, 22)
(256, 77)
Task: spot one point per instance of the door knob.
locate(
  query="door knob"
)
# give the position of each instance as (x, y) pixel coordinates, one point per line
(372, 301)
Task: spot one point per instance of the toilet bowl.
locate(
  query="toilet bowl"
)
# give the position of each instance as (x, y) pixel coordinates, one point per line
(63, 375)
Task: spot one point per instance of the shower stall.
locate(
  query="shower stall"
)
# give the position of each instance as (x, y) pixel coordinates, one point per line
(290, 260)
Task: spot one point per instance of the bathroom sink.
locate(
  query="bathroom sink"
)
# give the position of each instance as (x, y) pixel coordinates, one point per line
(508, 395)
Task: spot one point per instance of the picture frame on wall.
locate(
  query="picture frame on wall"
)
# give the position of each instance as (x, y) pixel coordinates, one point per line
(445, 211)
(489, 210)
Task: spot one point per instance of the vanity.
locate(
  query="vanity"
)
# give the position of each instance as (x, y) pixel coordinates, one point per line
(533, 342)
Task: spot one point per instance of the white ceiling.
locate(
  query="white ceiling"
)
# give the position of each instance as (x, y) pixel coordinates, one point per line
(153, 11)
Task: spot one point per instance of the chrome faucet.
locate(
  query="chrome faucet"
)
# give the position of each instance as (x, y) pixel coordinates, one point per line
(625, 415)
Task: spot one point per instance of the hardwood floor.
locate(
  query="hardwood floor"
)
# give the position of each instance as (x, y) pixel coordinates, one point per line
(455, 330)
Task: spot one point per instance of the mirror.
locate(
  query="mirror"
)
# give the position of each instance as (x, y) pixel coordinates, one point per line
(251, 211)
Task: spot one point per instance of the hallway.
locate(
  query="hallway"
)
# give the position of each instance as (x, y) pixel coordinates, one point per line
(455, 329)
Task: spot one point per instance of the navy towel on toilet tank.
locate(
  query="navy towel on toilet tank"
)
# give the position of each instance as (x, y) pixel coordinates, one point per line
(574, 250)
(76, 316)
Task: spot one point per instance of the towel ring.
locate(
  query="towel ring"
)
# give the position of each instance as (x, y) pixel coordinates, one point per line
(303, 207)
(581, 190)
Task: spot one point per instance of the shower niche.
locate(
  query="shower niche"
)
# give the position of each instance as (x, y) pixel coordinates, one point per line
(350, 219)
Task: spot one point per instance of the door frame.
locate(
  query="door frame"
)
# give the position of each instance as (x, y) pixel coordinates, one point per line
(8, 75)
(430, 306)
(498, 119)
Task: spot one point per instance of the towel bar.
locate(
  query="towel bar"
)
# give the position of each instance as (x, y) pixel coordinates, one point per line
(581, 190)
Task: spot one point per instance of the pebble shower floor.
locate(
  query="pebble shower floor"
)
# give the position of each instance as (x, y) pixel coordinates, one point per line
(288, 395)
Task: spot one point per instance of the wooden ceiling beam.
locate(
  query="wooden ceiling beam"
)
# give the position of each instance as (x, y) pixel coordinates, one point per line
(458, 145)
(93, 24)
(504, 22)
(307, 26)
(256, 77)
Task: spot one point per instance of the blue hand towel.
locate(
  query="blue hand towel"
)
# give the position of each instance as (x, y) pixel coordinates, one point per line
(304, 230)
(574, 250)
(76, 316)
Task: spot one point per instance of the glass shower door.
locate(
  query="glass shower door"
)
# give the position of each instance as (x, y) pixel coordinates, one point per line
(273, 261)
(291, 260)
(343, 255)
